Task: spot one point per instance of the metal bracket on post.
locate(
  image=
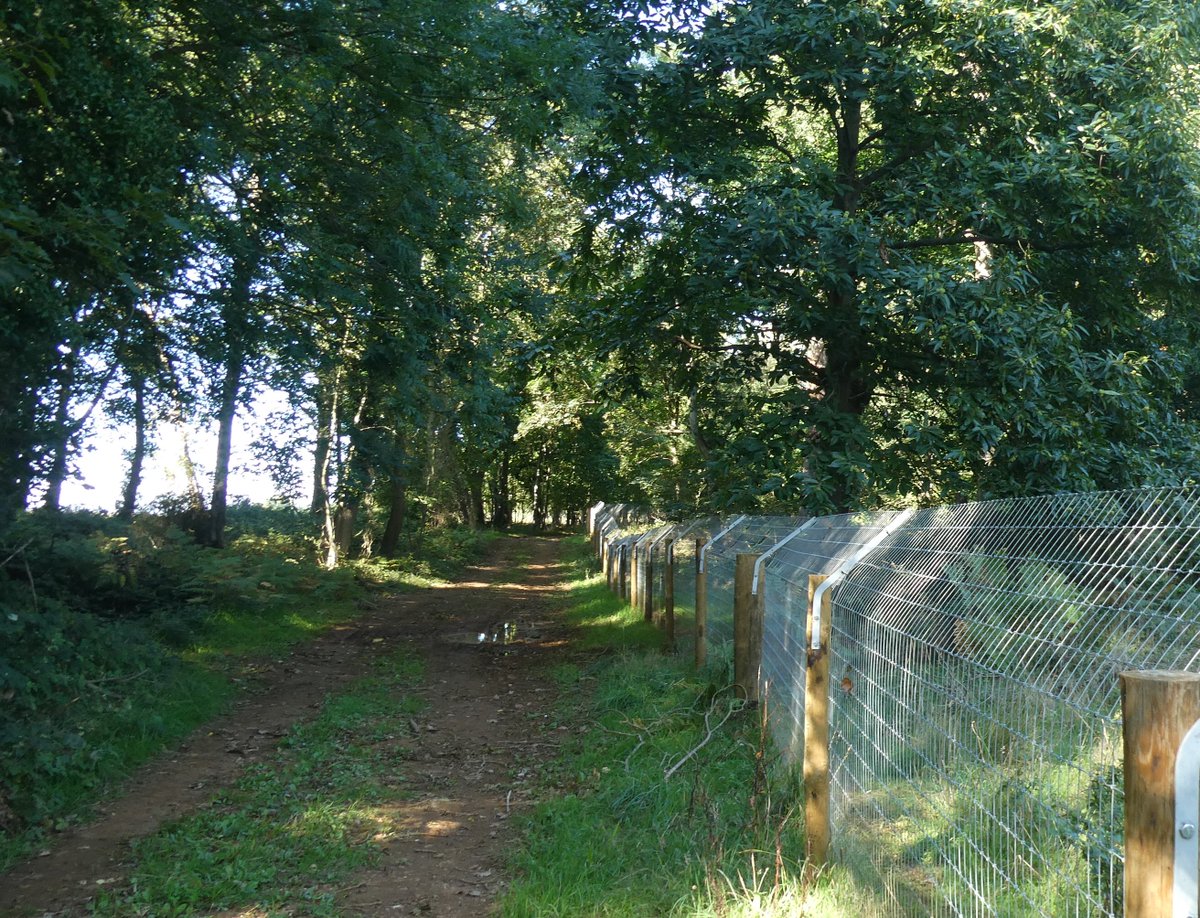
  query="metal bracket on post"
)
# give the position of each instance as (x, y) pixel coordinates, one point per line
(593, 513)
(654, 544)
(662, 535)
(713, 541)
(846, 566)
(679, 537)
(1185, 898)
(762, 559)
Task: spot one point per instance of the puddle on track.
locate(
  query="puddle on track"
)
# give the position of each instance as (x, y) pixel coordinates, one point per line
(501, 634)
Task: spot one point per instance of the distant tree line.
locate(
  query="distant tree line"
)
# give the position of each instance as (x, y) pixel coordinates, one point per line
(753, 254)
(350, 202)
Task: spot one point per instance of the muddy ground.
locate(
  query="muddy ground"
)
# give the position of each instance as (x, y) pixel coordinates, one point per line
(475, 749)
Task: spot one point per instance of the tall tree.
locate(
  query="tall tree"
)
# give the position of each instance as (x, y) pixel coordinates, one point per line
(89, 205)
(910, 248)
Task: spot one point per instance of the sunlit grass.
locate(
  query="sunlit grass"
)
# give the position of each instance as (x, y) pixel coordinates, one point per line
(601, 619)
(295, 823)
(238, 634)
(660, 811)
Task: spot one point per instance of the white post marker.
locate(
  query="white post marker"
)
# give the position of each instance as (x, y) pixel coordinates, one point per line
(762, 559)
(1185, 896)
(846, 566)
(713, 541)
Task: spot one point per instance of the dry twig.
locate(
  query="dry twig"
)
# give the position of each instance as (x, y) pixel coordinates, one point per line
(710, 730)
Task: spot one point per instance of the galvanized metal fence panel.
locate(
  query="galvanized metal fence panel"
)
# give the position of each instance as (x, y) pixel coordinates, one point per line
(977, 756)
(819, 549)
(684, 551)
(755, 534)
(650, 572)
(975, 710)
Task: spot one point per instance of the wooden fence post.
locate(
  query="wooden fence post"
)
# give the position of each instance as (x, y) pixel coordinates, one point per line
(1158, 709)
(747, 629)
(633, 571)
(648, 592)
(639, 567)
(701, 608)
(623, 571)
(669, 591)
(816, 735)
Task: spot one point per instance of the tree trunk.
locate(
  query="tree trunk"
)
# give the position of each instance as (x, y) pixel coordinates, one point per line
(847, 387)
(329, 524)
(320, 495)
(137, 458)
(397, 510)
(60, 445)
(398, 497)
(344, 526)
(230, 392)
(236, 331)
(476, 514)
(502, 503)
(354, 478)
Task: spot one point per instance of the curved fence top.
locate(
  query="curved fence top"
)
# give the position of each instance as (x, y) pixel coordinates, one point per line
(1059, 593)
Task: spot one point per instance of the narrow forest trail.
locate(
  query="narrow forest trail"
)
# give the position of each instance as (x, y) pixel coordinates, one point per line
(473, 751)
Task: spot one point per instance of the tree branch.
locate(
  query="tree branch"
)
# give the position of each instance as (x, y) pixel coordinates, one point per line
(710, 731)
(970, 237)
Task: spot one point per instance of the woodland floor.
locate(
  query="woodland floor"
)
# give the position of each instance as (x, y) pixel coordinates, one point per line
(474, 750)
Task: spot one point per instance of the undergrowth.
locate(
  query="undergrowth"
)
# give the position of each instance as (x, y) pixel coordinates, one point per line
(675, 801)
(295, 824)
(118, 638)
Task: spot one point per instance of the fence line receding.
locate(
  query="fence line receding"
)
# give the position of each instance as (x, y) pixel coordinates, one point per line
(975, 711)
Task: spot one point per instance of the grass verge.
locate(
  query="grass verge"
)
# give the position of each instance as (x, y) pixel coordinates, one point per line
(675, 802)
(85, 698)
(295, 824)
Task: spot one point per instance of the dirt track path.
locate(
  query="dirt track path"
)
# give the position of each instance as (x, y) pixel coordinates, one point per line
(473, 758)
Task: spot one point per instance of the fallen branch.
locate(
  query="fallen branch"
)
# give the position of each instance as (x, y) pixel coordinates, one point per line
(15, 552)
(640, 743)
(710, 732)
(96, 683)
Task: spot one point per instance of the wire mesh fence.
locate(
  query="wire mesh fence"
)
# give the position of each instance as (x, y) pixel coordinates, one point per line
(751, 535)
(816, 550)
(975, 719)
(683, 552)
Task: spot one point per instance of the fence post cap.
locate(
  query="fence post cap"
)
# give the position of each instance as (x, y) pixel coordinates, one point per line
(1159, 675)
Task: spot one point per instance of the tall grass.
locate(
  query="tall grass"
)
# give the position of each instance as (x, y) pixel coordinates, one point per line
(293, 825)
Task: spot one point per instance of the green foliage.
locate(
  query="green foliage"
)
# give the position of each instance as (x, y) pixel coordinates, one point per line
(89, 215)
(83, 701)
(890, 251)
